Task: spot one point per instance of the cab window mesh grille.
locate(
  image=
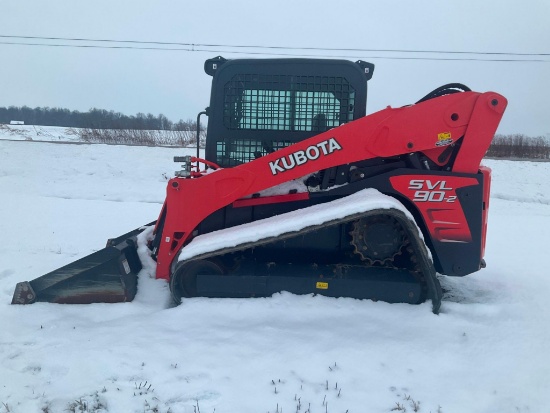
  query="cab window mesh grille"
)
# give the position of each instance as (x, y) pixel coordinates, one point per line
(233, 152)
(287, 103)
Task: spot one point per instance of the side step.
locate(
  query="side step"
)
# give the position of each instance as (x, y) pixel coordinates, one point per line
(106, 276)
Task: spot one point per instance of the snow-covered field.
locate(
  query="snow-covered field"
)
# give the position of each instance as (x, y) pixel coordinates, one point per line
(486, 352)
(37, 133)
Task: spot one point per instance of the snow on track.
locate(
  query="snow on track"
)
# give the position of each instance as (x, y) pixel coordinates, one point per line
(362, 201)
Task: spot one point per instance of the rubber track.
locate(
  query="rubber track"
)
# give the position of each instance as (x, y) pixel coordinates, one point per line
(425, 271)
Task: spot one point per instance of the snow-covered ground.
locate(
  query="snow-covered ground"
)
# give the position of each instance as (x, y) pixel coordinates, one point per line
(486, 352)
(80, 136)
(37, 133)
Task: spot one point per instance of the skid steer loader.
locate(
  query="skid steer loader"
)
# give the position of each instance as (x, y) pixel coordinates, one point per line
(301, 191)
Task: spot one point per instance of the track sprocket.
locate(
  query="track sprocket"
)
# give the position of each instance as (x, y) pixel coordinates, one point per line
(377, 239)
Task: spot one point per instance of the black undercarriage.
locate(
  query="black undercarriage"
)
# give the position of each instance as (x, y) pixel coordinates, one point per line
(297, 263)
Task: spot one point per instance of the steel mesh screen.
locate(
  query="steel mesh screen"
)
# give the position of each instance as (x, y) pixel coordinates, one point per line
(289, 103)
(233, 152)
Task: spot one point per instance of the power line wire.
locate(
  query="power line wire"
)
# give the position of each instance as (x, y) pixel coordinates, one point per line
(194, 47)
(276, 47)
(96, 46)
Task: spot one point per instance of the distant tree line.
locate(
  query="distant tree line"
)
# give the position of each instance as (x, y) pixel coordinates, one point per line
(519, 146)
(93, 119)
(100, 125)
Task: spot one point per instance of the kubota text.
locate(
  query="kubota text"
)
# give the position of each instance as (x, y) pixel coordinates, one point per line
(311, 153)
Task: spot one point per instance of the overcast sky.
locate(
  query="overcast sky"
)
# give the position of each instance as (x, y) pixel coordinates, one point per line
(174, 83)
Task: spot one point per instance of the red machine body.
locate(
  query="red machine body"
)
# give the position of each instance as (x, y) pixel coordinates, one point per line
(429, 127)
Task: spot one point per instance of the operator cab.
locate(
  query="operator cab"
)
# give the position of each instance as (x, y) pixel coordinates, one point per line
(260, 106)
